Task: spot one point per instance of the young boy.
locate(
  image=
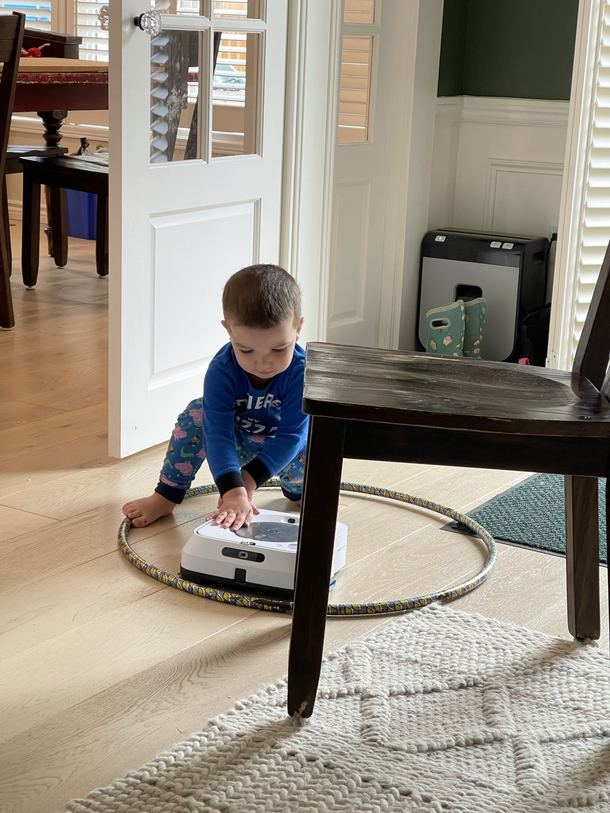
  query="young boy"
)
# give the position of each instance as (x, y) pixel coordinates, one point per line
(249, 424)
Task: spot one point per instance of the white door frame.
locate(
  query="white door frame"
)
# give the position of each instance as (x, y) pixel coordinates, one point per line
(313, 60)
(312, 96)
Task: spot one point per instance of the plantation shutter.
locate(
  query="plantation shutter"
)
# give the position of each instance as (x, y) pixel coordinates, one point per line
(94, 43)
(595, 230)
(37, 14)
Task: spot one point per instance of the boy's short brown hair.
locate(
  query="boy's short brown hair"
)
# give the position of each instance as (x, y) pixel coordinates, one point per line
(261, 296)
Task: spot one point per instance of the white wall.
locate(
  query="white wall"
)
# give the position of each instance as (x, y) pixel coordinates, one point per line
(498, 164)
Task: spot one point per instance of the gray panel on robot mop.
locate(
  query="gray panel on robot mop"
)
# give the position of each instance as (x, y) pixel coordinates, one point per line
(261, 555)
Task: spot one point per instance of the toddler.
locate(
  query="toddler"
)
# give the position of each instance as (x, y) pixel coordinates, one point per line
(249, 424)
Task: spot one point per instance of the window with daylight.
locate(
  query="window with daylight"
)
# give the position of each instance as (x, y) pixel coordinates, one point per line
(37, 14)
(95, 41)
(356, 68)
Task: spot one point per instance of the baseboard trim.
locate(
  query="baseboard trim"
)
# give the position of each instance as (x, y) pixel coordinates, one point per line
(34, 126)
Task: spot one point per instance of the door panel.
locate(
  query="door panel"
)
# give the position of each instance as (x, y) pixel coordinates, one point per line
(184, 216)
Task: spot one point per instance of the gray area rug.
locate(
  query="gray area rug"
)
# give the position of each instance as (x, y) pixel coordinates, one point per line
(436, 711)
(532, 515)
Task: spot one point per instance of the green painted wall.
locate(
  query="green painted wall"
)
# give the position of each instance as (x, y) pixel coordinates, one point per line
(514, 48)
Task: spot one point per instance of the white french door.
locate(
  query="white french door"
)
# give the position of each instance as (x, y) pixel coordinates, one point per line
(195, 187)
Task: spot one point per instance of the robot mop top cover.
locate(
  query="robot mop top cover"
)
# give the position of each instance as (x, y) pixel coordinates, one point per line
(261, 557)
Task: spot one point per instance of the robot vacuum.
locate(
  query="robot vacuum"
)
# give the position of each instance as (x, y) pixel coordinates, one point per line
(260, 558)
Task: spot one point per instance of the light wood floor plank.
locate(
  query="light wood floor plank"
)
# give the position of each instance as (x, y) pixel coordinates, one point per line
(21, 441)
(18, 413)
(48, 464)
(14, 524)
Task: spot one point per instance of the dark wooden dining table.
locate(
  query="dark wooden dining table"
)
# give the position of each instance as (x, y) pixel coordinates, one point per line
(52, 86)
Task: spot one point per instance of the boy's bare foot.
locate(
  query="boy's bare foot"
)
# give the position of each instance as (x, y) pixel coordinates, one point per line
(148, 509)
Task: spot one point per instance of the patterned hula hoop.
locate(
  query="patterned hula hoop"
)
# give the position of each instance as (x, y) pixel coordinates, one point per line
(284, 605)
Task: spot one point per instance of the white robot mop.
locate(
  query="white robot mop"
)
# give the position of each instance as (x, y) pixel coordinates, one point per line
(259, 558)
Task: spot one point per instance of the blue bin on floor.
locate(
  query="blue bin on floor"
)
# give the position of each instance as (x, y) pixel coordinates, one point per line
(82, 213)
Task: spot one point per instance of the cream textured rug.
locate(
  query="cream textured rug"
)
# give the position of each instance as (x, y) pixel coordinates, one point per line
(436, 712)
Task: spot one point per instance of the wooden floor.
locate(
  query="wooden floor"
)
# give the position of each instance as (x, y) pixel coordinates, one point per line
(103, 667)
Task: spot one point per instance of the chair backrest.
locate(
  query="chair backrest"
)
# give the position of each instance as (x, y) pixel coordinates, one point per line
(11, 37)
(593, 351)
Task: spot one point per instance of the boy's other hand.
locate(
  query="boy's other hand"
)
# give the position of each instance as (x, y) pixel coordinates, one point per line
(234, 510)
(250, 484)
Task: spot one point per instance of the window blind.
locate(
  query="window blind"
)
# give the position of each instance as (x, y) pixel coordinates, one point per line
(37, 14)
(94, 43)
(596, 210)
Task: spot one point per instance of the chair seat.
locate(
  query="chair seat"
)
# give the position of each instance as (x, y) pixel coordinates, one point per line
(421, 389)
(87, 173)
(69, 172)
(17, 151)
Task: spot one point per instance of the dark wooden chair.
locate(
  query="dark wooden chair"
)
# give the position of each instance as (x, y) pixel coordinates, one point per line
(415, 407)
(11, 38)
(83, 174)
(62, 46)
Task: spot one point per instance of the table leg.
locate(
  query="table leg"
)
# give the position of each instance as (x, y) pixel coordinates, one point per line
(52, 120)
(314, 560)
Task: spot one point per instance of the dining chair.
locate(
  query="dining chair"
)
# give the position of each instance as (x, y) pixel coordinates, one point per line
(414, 407)
(82, 173)
(55, 45)
(11, 38)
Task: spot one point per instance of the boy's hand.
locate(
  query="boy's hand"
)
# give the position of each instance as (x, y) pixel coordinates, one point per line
(234, 510)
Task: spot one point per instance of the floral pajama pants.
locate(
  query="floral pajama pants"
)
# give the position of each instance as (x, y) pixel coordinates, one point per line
(185, 454)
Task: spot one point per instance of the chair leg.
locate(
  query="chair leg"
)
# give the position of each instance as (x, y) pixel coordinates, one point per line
(7, 316)
(314, 560)
(30, 231)
(6, 227)
(582, 556)
(59, 224)
(48, 229)
(101, 236)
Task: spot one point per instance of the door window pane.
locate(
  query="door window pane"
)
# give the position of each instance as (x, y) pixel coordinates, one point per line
(235, 95)
(359, 11)
(354, 99)
(182, 7)
(238, 9)
(174, 96)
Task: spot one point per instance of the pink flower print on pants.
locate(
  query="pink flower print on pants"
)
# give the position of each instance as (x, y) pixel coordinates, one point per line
(185, 468)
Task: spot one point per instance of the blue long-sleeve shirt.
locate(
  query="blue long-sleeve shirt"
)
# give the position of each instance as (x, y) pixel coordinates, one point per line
(231, 402)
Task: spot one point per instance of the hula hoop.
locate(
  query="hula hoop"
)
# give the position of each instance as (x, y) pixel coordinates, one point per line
(284, 605)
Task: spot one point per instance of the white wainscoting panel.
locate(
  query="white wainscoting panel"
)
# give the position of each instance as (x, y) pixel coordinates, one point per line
(520, 196)
(351, 215)
(498, 164)
(186, 318)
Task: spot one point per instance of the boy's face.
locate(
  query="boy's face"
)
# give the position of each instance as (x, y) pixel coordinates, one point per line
(264, 352)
